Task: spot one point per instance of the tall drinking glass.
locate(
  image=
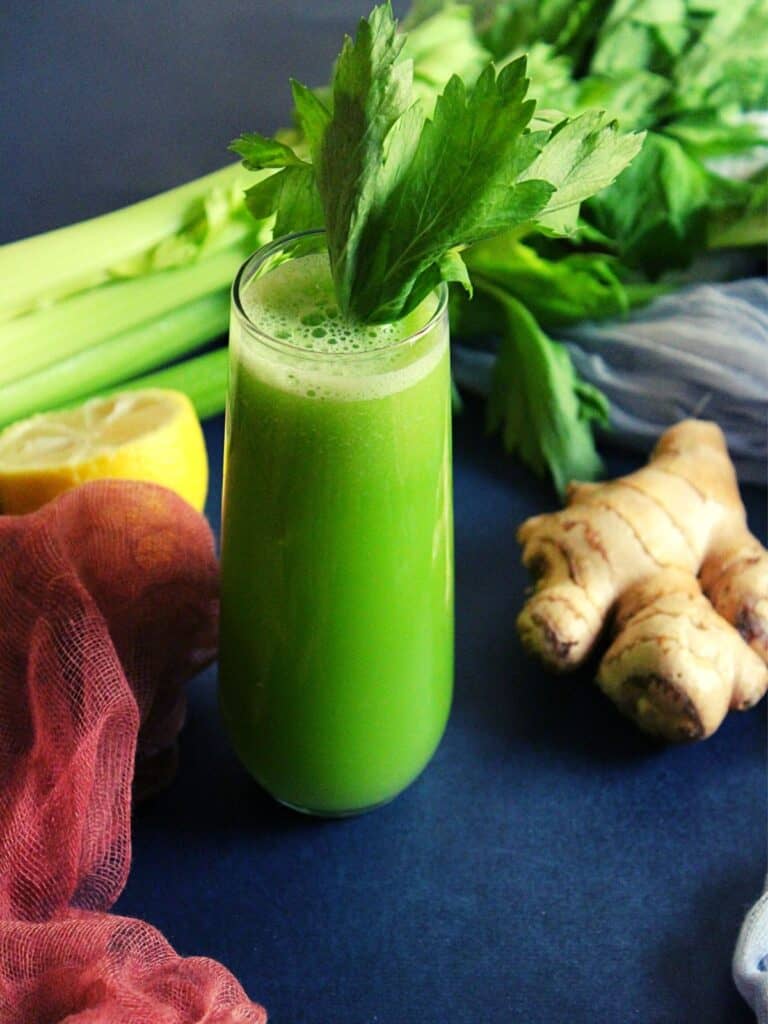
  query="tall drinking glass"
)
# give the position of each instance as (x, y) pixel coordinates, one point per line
(337, 542)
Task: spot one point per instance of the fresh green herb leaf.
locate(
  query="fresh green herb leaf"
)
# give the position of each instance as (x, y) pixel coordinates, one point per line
(292, 195)
(511, 26)
(312, 116)
(582, 286)
(259, 152)
(580, 158)
(442, 45)
(461, 185)
(372, 92)
(648, 34)
(291, 192)
(403, 188)
(542, 407)
(473, 321)
(632, 97)
(726, 63)
(550, 73)
(705, 135)
(453, 268)
(657, 209)
(505, 26)
(570, 26)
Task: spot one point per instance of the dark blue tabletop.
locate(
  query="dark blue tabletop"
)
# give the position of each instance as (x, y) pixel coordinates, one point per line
(551, 865)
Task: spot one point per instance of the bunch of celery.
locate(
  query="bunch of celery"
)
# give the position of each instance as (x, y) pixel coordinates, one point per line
(88, 307)
(691, 74)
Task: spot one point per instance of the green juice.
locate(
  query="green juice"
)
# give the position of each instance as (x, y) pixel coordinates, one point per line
(337, 542)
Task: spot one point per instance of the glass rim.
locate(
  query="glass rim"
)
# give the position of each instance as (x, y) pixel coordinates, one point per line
(263, 253)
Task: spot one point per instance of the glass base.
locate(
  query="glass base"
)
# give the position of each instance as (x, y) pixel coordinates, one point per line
(311, 812)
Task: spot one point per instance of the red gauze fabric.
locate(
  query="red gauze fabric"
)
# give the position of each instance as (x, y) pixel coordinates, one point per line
(108, 604)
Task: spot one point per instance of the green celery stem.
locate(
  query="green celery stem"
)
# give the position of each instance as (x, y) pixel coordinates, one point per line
(47, 337)
(122, 357)
(50, 265)
(203, 379)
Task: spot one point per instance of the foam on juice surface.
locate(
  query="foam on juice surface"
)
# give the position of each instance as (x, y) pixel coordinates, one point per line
(295, 303)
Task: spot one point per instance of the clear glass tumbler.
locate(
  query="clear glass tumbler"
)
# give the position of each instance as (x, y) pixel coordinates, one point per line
(336, 663)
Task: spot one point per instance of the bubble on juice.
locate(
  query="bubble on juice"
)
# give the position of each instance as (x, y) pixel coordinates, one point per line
(313, 319)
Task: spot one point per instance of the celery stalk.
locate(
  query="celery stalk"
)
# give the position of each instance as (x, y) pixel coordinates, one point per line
(120, 358)
(41, 339)
(45, 267)
(203, 379)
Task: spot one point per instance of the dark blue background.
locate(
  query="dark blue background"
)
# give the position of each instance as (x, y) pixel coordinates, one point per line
(551, 865)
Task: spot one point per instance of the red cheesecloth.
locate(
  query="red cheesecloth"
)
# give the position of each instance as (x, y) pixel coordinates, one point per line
(108, 604)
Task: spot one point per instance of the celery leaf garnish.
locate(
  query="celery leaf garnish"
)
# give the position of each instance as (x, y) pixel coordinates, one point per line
(402, 187)
(461, 185)
(291, 193)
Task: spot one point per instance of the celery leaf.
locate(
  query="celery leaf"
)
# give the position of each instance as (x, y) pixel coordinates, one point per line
(402, 183)
(460, 186)
(312, 116)
(581, 157)
(290, 193)
(657, 210)
(542, 407)
(259, 152)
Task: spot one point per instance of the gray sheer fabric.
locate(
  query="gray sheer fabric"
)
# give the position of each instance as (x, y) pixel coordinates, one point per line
(702, 351)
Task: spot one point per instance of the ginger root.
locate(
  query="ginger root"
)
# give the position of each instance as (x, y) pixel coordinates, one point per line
(640, 553)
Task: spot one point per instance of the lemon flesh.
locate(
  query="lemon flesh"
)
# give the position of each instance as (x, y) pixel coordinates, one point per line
(152, 435)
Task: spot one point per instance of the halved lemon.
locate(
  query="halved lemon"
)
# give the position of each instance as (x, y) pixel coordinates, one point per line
(152, 434)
